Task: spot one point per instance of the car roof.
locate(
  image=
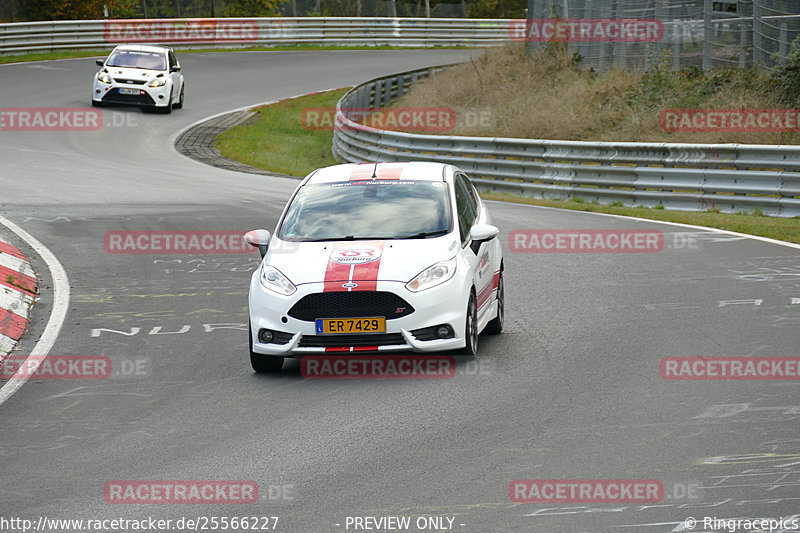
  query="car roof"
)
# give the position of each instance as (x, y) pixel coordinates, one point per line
(144, 47)
(417, 170)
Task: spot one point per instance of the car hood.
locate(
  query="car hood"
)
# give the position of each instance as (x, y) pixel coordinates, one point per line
(133, 73)
(359, 261)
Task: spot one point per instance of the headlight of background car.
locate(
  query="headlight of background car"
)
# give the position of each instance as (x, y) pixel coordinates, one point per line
(432, 276)
(104, 77)
(274, 280)
(158, 82)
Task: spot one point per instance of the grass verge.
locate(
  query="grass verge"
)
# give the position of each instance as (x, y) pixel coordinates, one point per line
(102, 52)
(782, 229)
(276, 141)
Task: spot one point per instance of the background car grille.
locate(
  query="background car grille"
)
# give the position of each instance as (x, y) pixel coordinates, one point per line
(132, 82)
(343, 341)
(343, 304)
(114, 97)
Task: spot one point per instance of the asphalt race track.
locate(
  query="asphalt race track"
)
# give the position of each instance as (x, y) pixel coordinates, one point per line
(571, 390)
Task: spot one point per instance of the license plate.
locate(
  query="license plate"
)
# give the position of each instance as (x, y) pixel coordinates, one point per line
(375, 324)
(128, 91)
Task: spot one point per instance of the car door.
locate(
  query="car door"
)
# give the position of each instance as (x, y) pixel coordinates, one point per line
(485, 256)
(176, 77)
(466, 214)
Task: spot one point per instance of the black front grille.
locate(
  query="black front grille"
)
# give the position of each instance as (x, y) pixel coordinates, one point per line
(113, 96)
(132, 82)
(353, 304)
(345, 341)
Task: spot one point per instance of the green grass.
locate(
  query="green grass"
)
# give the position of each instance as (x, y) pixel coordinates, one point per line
(102, 52)
(275, 140)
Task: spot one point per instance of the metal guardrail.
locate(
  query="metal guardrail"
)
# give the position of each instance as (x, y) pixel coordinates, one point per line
(26, 37)
(728, 177)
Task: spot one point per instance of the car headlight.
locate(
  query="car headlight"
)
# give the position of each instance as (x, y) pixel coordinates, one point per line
(158, 82)
(432, 276)
(274, 280)
(103, 77)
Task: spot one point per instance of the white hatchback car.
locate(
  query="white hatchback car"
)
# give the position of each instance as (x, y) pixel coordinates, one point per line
(148, 76)
(376, 257)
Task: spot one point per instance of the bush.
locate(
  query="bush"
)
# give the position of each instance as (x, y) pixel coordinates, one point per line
(787, 80)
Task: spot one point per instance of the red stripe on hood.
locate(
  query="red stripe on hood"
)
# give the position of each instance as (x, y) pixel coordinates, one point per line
(382, 171)
(365, 275)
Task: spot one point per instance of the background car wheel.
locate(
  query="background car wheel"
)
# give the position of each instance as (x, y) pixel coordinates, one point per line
(263, 363)
(471, 328)
(496, 325)
(95, 103)
(179, 105)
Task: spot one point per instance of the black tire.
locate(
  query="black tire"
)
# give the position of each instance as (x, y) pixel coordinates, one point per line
(179, 105)
(495, 327)
(263, 364)
(471, 328)
(97, 104)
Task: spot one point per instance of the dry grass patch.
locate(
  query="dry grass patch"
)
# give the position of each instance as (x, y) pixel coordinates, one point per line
(547, 95)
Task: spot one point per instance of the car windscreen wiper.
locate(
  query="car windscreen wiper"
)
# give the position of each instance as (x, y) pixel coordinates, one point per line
(350, 238)
(425, 234)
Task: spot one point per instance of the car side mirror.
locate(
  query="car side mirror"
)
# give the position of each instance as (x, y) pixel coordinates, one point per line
(175, 68)
(258, 238)
(100, 62)
(481, 233)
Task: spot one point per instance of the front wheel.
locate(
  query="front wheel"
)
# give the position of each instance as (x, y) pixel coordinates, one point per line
(495, 327)
(471, 328)
(179, 104)
(263, 364)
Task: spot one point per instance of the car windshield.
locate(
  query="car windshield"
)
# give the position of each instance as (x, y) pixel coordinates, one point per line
(137, 59)
(379, 209)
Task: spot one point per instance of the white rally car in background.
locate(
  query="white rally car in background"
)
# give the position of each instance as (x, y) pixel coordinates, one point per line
(148, 76)
(376, 257)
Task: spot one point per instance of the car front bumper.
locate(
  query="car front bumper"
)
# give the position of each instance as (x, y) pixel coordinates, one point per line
(445, 304)
(146, 96)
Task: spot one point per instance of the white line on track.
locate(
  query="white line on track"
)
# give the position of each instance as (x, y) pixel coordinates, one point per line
(57, 314)
(679, 224)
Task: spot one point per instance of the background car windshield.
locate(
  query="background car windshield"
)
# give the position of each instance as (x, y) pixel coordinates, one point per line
(137, 59)
(378, 209)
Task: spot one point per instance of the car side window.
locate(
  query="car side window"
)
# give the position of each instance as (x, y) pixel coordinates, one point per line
(471, 192)
(173, 61)
(465, 208)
